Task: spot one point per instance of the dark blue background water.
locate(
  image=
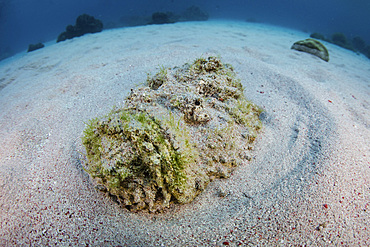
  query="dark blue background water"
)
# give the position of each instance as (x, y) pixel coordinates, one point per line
(30, 21)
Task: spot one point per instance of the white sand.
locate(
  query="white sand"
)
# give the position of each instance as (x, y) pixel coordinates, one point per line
(309, 182)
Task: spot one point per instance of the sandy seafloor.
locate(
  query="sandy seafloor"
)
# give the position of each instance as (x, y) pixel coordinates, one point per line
(309, 180)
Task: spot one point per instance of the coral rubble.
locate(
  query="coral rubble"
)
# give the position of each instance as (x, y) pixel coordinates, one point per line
(34, 47)
(194, 13)
(172, 137)
(341, 40)
(358, 44)
(163, 18)
(318, 36)
(313, 47)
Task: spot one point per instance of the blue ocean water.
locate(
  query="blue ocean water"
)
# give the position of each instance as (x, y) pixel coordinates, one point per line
(24, 22)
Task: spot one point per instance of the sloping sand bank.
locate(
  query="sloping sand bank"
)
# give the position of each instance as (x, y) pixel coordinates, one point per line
(308, 182)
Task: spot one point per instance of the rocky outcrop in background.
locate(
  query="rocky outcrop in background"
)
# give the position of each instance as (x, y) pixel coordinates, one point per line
(84, 24)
